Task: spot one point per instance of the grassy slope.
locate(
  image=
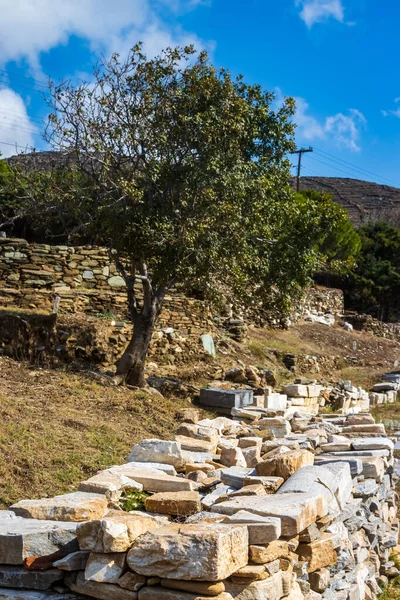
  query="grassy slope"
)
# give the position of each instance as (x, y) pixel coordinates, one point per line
(57, 429)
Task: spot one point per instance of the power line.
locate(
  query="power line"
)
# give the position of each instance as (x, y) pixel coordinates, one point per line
(354, 167)
(347, 172)
(15, 145)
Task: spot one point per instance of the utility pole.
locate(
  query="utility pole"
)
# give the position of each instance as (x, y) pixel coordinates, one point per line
(300, 152)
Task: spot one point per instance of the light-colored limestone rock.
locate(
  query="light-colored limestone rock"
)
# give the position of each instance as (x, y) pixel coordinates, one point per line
(115, 532)
(203, 552)
(262, 530)
(132, 581)
(102, 591)
(198, 432)
(105, 568)
(268, 589)
(156, 481)
(76, 561)
(233, 457)
(203, 588)
(154, 450)
(76, 507)
(284, 465)
(162, 593)
(377, 443)
(196, 445)
(278, 425)
(296, 511)
(271, 484)
(112, 485)
(174, 503)
(320, 553)
(251, 456)
(270, 552)
(22, 538)
(167, 469)
(222, 424)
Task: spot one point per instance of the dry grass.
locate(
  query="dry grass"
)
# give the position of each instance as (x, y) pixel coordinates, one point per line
(59, 428)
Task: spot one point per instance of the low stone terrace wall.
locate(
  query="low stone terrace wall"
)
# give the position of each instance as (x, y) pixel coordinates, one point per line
(255, 508)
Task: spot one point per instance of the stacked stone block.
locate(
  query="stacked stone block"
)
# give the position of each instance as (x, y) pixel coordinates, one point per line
(257, 507)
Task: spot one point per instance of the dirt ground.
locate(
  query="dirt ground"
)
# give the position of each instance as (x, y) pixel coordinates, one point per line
(58, 428)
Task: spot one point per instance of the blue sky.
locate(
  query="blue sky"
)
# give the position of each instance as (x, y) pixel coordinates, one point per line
(338, 58)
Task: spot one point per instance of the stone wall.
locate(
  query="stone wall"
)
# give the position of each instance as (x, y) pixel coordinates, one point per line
(319, 301)
(255, 508)
(32, 275)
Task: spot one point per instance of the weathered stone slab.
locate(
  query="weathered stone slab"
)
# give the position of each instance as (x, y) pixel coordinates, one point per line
(102, 591)
(18, 577)
(115, 532)
(356, 467)
(296, 511)
(294, 390)
(111, 485)
(167, 469)
(76, 507)
(132, 581)
(158, 451)
(105, 568)
(319, 553)
(377, 443)
(203, 588)
(202, 552)
(162, 593)
(196, 445)
(219, 398)
(235, 476)
(22, 538)
(233, 457)
(375, 429)
(76, 561)
(20, 594)
(271, 484)
(174, 503)
(268, 589)
(285, 464)
(270, 553)
(222, 424)
(198, 432)
(210, 499)
(278, 425)
(156, 481)
(262, 530)
(336, 480)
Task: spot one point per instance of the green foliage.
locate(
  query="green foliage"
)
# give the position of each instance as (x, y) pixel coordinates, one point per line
(132, 500)
(338, 244)
(376, 277)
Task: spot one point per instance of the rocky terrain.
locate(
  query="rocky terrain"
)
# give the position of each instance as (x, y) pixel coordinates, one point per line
(361, 199)
(261, 505)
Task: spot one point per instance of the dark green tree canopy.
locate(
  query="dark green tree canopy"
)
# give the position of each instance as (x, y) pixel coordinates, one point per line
(376, 277)
(182, 171)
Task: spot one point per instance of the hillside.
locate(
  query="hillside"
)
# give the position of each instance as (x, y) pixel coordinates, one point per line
(362, 199)
(59, 427)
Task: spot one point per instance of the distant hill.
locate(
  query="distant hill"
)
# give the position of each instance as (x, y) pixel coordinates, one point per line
(363, 200)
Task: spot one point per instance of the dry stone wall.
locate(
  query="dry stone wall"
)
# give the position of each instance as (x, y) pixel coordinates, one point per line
(87, 282)
(254, 507)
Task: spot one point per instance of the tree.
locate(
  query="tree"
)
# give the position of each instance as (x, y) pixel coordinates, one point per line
(376, 277)
(339, 243)
(181, 171)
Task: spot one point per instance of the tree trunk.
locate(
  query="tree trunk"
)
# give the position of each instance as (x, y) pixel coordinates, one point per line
(130, 367)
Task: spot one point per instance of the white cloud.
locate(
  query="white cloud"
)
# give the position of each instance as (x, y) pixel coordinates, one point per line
(31, 27)
(17, 131)
(342, 129)
(317, 11)
(392, 113)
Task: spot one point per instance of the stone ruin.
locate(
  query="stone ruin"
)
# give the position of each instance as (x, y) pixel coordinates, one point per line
(257, 507)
